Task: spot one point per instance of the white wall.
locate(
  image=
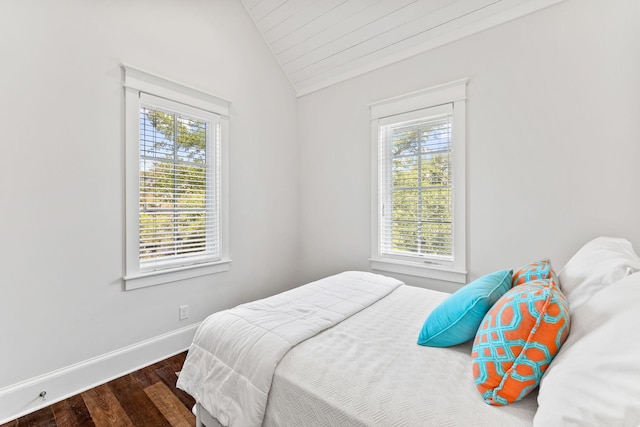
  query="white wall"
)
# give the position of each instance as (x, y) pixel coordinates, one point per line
(62, 165)
(553, 140)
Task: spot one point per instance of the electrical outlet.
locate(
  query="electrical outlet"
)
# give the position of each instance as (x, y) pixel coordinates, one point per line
(183, 312)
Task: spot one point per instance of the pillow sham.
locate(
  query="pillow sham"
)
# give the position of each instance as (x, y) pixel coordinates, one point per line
(536, 270)
(517, 340)
(598, 264)
(457, 318)
(594, 380)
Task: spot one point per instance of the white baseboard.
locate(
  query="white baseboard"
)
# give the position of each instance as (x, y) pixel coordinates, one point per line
(23, 398)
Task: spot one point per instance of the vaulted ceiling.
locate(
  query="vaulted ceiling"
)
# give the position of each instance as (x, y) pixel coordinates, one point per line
(321, 42)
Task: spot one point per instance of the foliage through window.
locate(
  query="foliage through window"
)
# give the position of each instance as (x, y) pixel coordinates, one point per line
(417, 195)
(176, 213)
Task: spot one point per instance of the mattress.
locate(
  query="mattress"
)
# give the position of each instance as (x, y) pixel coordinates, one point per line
(369, 371)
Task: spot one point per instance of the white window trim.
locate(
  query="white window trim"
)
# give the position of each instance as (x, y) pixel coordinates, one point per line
(137, 82)
(449, 93)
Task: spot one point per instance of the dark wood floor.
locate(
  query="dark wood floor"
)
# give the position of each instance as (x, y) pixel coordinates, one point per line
(145, 398)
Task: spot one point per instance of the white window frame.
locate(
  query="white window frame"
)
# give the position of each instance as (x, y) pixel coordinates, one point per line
(142, 88)
(383, 112)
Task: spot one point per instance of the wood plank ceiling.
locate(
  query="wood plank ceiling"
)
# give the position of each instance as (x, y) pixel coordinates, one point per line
(321, 42)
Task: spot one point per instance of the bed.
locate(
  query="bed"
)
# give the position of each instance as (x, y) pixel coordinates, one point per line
(357, 362)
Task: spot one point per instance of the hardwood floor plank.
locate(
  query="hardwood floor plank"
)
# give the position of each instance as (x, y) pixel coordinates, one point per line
(104, 408)
(72, 412)
(136, 403)
(177, 361)
(167, 374)
(41, 418)
(145, 398)
(146, 376)
(171, 407)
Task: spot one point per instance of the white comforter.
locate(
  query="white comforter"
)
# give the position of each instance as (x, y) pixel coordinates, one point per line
(230, 365)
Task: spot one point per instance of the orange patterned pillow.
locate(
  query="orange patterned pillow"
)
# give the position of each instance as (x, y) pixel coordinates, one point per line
(534, 271)
(518, 339)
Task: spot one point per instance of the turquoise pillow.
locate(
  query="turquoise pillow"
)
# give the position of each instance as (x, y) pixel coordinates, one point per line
(457, 319)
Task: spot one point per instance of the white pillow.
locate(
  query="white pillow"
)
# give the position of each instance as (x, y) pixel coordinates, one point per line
(595, 378)
(598, 264)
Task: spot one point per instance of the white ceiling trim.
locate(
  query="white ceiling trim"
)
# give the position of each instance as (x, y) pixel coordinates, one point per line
(319, 43)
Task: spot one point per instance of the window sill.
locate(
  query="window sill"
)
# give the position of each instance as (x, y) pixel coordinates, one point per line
(152, 278)
(446, 274)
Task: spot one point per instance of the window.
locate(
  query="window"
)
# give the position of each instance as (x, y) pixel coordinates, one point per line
(175, 181)
(418, 199)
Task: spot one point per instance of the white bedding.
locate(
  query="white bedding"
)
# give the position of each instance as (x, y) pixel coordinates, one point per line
(369, 371)
(230, 365)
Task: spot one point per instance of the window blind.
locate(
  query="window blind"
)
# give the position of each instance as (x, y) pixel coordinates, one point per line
(415, 185)
(178, 215)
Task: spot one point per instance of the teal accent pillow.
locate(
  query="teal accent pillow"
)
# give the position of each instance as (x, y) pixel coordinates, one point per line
(457, 319)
